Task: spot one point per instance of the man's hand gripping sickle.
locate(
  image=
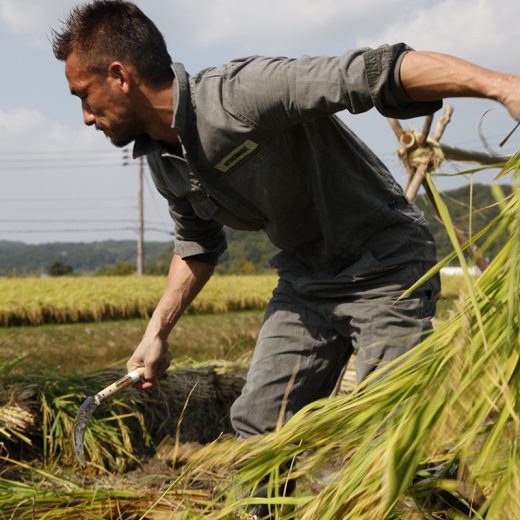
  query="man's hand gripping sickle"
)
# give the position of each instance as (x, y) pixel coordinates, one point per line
(154, 355)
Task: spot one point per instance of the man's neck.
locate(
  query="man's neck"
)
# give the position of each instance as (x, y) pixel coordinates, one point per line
(157, 114)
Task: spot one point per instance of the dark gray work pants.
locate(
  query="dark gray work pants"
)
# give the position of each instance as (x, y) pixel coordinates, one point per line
(311, 328)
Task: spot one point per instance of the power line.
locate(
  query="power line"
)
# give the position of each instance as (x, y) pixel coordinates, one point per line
(87, 230)
(65, 199)
(32, 209)
(67, 230)
(75, 221)
(159, 230)
(89, 153)
(61, 159)
(59, 167)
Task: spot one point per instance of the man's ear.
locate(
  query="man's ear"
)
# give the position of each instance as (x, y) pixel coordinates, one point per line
(120, 74)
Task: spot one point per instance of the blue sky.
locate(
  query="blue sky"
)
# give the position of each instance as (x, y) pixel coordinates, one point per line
(61, 181)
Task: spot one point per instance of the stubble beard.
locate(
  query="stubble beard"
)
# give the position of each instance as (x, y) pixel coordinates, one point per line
(121, 135)
(121, 142)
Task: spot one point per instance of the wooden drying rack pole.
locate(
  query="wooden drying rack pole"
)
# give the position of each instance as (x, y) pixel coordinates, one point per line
(422, 154)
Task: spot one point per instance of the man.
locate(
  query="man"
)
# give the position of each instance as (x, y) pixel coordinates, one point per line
(254, 144)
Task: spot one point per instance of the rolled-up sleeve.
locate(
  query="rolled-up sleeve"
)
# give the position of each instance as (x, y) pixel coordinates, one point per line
(382, 66)
(193, 235)
(281, 92)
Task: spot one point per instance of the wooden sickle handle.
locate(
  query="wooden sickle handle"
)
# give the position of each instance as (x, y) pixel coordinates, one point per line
(122, 383)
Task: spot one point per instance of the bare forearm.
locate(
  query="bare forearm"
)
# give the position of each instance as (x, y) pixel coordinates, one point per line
(428, 76)
(185, 280)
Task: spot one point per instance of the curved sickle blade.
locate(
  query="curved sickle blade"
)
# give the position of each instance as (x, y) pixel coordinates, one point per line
(80, 425)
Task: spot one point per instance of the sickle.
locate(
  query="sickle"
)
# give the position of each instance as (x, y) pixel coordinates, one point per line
(91, 403)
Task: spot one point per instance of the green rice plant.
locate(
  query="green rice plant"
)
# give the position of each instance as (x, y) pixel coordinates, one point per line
(36, 494)
(452, 398)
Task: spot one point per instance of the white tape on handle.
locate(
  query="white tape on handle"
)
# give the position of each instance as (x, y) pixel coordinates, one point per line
(135, 375)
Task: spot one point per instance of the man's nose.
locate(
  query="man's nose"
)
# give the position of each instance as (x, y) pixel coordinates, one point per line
(88, 117)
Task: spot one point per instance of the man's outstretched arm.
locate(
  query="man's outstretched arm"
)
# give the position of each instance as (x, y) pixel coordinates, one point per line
(428, 76)
(185, 280)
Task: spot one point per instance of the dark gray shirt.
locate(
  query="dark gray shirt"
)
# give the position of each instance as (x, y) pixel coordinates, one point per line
(262, 149)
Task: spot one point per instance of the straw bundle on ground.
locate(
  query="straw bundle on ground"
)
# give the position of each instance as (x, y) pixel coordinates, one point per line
(37, 416)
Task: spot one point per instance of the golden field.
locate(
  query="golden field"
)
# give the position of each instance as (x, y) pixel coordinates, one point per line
(35, 301)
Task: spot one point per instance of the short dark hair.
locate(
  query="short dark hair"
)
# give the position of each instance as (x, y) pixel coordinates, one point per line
(109, 30)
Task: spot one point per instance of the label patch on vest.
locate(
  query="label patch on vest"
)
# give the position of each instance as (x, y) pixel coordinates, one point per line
(236, 155)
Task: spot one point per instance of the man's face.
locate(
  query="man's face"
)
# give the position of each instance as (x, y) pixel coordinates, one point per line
(103, 101)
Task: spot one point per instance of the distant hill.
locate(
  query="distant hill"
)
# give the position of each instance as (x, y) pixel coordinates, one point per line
(20, 258)
(248, 252)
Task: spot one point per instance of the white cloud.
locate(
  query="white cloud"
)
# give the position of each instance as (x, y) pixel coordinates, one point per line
(481, 30)
(203, 24)
(33, 18)
(23, 129)
(217, 21)
(485, 31)
(270, 23)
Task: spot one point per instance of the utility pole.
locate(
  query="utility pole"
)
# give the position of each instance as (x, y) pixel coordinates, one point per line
(140, 211)
(140, 220)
